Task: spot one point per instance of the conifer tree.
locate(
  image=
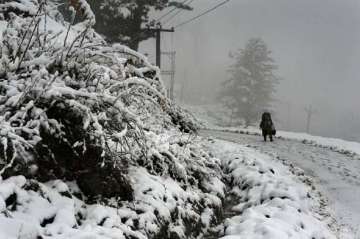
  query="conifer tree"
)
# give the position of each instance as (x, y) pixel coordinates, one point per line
(251, 85)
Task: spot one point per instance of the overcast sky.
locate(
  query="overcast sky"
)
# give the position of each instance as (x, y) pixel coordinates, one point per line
(316, 44)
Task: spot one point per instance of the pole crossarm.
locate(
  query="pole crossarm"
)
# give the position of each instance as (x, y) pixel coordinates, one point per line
(155, 29)
(158, 30)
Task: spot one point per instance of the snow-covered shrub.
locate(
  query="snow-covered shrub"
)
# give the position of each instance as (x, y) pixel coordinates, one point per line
(72, 106)
(162, 207)
(76, 112)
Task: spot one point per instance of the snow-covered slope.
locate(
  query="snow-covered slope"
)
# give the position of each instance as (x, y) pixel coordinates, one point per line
(336, 175)
(270, 200)
(90, 146)
(162, 206)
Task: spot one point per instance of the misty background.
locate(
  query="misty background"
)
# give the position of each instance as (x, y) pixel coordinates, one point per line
(314, 43)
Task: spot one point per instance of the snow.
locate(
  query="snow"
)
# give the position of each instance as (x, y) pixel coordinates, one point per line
(336, 175)
(178, 189)
(210, 118)
(333, 164)
(24, 5)
(120, 106)
(339, 145)
(274, 203)
(86, 11)
(3, 26)
(55, 211)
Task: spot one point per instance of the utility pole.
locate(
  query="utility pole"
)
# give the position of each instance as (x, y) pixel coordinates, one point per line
(309, 111)
(158, 30)
(158, 47)
(171, 72)
(288, 115)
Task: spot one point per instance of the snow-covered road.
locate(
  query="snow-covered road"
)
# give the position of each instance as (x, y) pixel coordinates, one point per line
(336, 175)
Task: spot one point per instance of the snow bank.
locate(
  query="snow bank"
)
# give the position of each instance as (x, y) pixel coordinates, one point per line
(164, 206)
(35, 210)
(343, 146)
(74, 108)
(272, 202)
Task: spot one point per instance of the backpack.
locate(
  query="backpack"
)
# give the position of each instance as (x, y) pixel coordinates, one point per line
(266, 119)
(273, 130)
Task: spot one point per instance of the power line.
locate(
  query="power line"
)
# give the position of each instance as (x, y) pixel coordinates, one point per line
(169, 12)
(175, 14)
(202, 14)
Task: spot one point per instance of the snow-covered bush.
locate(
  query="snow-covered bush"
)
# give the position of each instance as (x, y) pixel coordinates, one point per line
(162, 207)
(78, 113)
(71, 105)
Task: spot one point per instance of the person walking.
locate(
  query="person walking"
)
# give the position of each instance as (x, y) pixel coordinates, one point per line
(267, 126)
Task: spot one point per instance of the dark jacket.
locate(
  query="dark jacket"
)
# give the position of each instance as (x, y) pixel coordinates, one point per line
(266, 123)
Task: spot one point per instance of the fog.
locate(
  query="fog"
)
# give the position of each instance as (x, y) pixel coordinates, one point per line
(314, 43)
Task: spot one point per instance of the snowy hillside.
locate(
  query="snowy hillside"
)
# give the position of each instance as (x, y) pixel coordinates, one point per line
(162, 206)
(91, 147)
(268, 199)
(330, 165)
